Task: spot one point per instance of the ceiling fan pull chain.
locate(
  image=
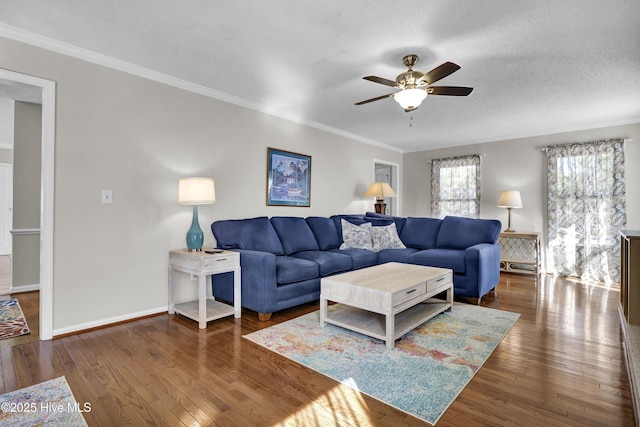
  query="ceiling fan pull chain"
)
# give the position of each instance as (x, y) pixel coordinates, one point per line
(411, 121)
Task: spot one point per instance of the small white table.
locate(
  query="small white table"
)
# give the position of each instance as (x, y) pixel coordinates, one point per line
(203, 265)
(385, 301)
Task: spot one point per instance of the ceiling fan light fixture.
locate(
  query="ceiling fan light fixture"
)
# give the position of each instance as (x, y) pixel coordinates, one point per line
(410, 99)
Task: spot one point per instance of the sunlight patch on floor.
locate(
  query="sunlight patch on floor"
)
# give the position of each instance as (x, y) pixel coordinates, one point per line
(342, 405)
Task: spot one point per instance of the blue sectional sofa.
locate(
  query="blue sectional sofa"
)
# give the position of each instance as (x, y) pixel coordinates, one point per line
(284, 258)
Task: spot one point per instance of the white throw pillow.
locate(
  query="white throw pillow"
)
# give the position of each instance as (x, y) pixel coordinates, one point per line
(386, 238)
(356, 236)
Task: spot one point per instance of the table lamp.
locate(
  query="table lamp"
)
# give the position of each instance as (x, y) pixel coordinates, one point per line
(510, 199)
(196, 191)
(380, 190)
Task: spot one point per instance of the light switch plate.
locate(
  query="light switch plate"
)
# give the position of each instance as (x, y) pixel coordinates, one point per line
(107, 197)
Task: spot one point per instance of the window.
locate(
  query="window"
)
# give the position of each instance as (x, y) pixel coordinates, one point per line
(455, 186)
(586, 208)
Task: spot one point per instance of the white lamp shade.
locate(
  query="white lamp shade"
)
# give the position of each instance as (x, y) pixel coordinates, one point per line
(510, 199)
(196, 191)
(379, 190)
(410, 98)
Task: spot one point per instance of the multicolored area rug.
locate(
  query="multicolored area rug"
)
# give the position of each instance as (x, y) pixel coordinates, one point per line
(422, 375)
(48, 403)
(12, 321)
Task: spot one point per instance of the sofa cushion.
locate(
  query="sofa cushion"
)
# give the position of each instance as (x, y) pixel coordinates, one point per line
(460, 233)
(360, 258)
(325, 231)
(328, 262)
(295, 234)
(256, 234)
(395, 255)
(397, 219)
(386, 237)
(356, 236)
(420, 233)
(292, 269)
(443, 258)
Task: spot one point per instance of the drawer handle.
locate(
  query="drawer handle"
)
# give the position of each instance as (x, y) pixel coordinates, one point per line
(412, 290)
(221, 259)
(441, 279)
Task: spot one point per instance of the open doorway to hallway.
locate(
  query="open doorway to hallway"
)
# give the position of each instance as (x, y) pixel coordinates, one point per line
(12, 84)
(389, 172)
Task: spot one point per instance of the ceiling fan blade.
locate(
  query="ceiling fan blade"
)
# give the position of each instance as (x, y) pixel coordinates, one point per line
(440, 72)
(449, 90)
(375, 99)
(381, 80)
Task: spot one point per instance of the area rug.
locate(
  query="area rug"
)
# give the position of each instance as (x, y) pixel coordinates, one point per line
(422, 375)
(12, 321)
(48, 403)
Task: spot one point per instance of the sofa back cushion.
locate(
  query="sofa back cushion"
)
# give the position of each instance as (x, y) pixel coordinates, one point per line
(295, 234)
(256, 234)
(420, 233)
(460, 233)
(400, 221)
(325, 232)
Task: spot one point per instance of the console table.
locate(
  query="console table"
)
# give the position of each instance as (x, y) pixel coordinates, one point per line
(520, 252)
(203, 265)
(629, 309)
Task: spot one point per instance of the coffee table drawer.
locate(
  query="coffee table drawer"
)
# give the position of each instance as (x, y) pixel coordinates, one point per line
(438, 281)
(407, 294)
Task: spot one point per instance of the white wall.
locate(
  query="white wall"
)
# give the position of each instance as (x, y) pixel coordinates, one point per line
(136, 137)
(519, 164)
(26, 196)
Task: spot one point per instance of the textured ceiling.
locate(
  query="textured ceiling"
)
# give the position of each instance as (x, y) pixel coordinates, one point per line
(537, 67)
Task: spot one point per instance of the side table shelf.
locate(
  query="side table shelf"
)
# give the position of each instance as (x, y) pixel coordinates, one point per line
(520, 252)
(203, 265)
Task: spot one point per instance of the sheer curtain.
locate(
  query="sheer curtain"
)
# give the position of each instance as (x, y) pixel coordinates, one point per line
(586, 208)
(455, 186)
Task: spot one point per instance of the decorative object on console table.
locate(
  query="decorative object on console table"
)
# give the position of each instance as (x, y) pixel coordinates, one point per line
(380, 190)
(196, 191)
(288, 178)
(520, 252)
(204, 265)
(510, 199)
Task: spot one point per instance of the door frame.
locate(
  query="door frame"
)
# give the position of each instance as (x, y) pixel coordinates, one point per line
(48, 88)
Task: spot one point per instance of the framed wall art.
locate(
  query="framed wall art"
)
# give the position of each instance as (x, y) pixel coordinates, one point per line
(288, 178)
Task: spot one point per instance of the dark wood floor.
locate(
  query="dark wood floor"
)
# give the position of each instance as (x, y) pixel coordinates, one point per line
(561, 364)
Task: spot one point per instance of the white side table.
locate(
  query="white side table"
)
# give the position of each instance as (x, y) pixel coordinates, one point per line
(203, 265)
(520, 252)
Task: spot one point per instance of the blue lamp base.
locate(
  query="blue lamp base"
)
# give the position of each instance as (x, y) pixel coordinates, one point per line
(195, 236)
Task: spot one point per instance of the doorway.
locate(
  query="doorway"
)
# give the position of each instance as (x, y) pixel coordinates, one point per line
(388, 172)
(13, 83)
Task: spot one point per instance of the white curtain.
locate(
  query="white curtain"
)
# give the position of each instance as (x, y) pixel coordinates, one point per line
(586, 208)
(455, 186)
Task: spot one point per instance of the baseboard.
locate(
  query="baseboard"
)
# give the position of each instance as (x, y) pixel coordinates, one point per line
(109, 321)
(24, 288)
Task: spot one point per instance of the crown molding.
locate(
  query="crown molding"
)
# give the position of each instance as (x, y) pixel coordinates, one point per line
(127, 67)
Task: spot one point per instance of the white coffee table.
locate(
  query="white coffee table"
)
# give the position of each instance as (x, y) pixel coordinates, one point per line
(385, 301)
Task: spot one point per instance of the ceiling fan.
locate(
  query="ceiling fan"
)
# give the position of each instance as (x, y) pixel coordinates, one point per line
(416, 85)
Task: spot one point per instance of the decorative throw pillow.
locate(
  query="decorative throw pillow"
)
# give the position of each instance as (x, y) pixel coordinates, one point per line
(356, 236)
(386, 238)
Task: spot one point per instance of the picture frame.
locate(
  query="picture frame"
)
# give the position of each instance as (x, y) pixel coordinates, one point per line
(288, 178)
